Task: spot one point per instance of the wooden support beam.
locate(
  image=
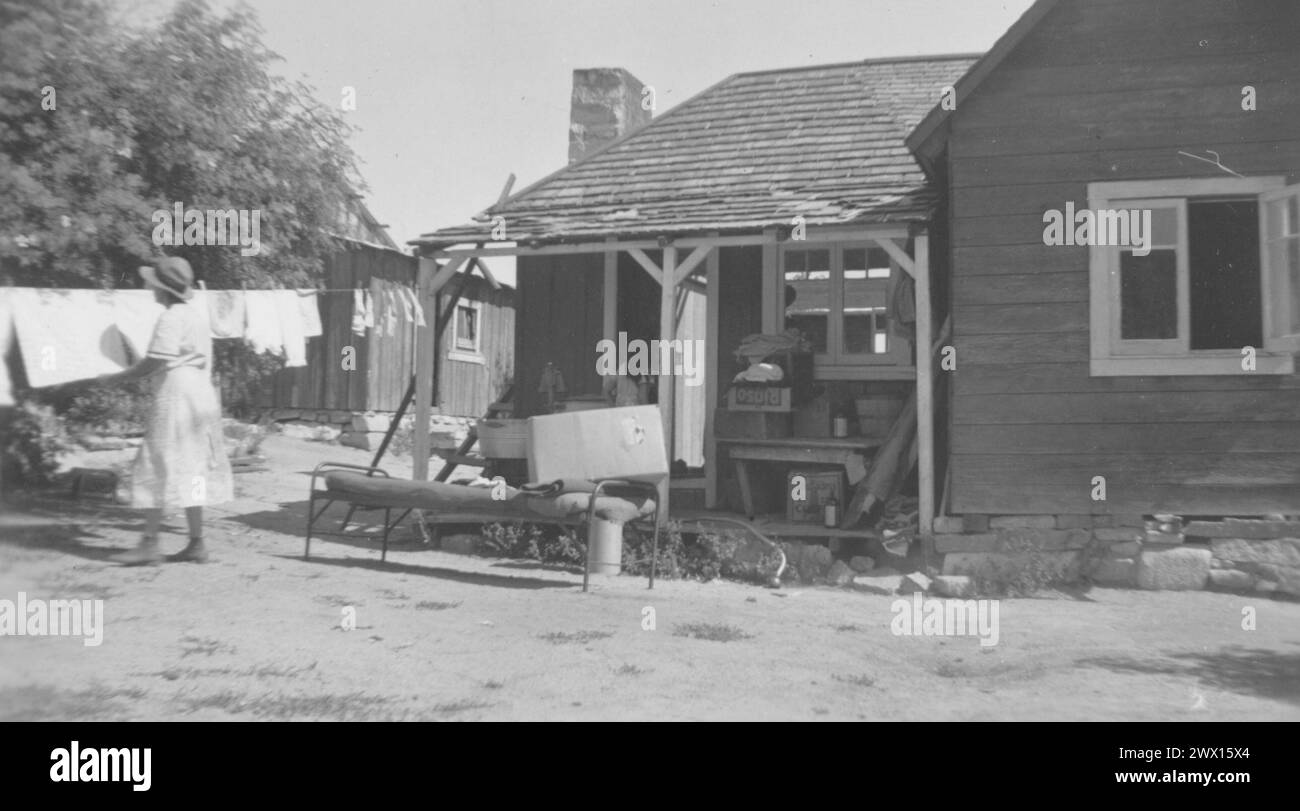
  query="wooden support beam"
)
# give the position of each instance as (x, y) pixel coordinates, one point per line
(900, 256)
(768, 236)
(609, 291)
(667, 332)
(425, 359)
(650, 267)
(487, 274)
(924, 385)
(711, 383)
(687, 267)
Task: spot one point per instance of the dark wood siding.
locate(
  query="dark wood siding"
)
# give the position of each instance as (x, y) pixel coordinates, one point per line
(466, 388)
(384, 363)
(559, 319)
(1110, 90)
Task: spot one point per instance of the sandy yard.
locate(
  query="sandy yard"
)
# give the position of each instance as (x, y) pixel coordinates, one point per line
(258, 634)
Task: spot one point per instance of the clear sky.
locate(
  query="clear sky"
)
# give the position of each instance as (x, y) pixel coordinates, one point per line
(454, 95)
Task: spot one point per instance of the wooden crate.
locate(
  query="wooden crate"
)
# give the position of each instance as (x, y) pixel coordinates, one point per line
(759, 398)
(821, 485)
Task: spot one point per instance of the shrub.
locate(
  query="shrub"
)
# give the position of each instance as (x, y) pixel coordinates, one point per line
(115, 410)
(31, 443)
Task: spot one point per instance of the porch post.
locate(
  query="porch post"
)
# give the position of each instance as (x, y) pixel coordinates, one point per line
(667, 332)
(424, 364)
(924, 385)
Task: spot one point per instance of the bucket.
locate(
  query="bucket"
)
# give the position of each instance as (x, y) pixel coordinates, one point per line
(503, 439)
(605, 545)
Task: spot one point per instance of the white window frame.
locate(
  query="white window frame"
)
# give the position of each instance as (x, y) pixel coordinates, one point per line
(455, 352)
(835, 364)
(1113, 357)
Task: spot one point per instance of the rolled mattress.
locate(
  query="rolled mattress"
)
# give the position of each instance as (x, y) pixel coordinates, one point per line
(555, 500)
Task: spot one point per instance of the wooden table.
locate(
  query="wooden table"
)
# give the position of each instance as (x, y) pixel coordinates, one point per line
(852, 453)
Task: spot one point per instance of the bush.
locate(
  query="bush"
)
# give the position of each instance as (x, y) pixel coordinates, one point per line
(703, 557)
(117, 410)
(31, 443)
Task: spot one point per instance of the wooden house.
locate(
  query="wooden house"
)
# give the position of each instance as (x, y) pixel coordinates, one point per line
(475, 336)
(1144, 365)
(692, 226)
(1092, 379)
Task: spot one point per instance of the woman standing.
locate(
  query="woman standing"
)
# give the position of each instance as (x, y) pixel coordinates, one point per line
(182, 461)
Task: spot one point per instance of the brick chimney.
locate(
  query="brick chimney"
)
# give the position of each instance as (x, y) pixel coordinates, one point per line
(606, 106)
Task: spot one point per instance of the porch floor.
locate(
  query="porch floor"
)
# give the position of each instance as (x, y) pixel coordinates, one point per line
(775, 525)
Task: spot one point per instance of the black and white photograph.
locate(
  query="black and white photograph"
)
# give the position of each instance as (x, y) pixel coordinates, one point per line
(652, 361)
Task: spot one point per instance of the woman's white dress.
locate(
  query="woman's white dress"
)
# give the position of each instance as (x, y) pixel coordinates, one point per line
(182, 461)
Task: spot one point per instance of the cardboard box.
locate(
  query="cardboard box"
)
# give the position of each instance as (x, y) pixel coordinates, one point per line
(819, 487)
(729, 424)
(759, 398)
(606, 443)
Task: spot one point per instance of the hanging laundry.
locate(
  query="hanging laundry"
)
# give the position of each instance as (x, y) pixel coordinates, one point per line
(226, 315)
(67, 335)
(262, 329)
(404, 298)
(417, 306)
(358, 312)
(290, 317)
(392, 309)
(135, 313)
(309, 308)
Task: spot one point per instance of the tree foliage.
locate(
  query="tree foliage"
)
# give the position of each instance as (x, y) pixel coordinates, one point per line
(189, 110)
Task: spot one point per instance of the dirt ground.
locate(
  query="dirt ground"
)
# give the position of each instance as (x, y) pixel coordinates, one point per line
(258, 634)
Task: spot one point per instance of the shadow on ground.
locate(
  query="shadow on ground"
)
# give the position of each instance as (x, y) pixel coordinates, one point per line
(472, 578)
(1247, 671)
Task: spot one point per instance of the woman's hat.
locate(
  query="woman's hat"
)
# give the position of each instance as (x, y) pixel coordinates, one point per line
(173, 275)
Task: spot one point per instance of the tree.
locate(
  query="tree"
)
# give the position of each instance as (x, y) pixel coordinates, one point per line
(103, 123)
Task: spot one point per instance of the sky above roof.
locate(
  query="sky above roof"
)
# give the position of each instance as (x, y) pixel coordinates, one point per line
(452, 96)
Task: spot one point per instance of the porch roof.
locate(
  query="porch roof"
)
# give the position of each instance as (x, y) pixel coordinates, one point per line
(751, 152)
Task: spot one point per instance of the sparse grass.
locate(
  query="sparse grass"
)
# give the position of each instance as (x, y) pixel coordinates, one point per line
(713, 632)
(493, 685)
(194, 645)
(848, 628)
(349, 707)
(433, 605)
(464, 705)
(33, 703)
(630, 670)
(338, 601)
(579, 637)
(858, 680)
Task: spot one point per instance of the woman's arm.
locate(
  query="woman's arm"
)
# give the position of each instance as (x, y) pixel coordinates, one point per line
(146, 367)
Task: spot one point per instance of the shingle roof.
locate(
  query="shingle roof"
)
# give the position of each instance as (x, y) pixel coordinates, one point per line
(753, 151)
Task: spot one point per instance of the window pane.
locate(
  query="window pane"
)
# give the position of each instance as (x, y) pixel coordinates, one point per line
(1223, 274)
(808, 294)
(1284, 258)
(1164, 227)
(1148, 295)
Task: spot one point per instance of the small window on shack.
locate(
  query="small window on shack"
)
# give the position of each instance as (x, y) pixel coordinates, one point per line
(465, 342)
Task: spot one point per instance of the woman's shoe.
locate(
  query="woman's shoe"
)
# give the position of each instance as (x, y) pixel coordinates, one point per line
(195, 552)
